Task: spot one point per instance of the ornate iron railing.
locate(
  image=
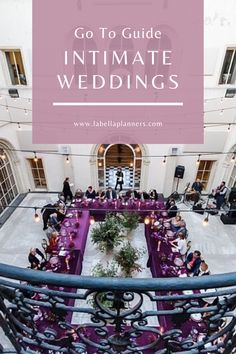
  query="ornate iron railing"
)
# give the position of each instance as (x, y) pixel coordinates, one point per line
(43, 312)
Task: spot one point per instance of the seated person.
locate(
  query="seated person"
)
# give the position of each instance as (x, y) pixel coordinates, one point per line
(79, 194)
(53, 222)
(36, 259)
(153, 194)
(53, 240)
(90, 193)
(110, 194)
(51, 228)
(220, 194)
(203, 270)
(61, 212)
(168, 202)
(56, 218)
(197, 186)
(121, 196)
(129, 194)
(172, 210)
(194, 192)
(145, 196)
(61, 201)
(100, 195)
(177, 223)
(180, 243)
(193, 262)
(137, 195)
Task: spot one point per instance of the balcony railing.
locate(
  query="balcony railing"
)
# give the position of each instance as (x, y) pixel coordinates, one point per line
(39, 311)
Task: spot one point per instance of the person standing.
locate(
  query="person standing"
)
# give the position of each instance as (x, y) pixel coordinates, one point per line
(119, 179)
(220, 194)
(47, 211)
(66, 189)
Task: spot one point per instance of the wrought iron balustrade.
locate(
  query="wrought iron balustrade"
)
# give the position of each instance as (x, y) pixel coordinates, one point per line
(39, 311)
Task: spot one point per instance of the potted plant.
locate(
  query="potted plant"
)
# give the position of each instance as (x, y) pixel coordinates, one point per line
(129, 221)
(110, 270)
(107, 234)
(127, 259)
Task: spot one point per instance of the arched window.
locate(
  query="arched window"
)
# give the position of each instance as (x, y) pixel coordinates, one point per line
(8, 188)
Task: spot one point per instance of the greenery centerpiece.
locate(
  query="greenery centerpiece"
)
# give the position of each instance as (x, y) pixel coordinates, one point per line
(129, 220)
(110, 270)
(107, 234)
(127, 259)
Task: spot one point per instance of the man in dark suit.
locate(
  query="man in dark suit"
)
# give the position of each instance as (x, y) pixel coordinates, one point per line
(66, 190)
(110, 194)
(119, 179)
(46, 211)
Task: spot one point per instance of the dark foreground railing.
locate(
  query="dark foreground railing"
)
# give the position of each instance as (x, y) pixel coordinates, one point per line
(43, 312)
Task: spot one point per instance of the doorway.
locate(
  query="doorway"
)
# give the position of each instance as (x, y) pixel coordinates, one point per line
(127, 157)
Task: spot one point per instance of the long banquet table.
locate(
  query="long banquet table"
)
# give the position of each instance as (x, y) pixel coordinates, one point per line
(99, 208)
(162, 257)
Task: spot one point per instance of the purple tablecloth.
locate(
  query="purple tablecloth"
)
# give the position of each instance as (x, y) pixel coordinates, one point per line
(75, 229)
(161, 263)
(116, 204)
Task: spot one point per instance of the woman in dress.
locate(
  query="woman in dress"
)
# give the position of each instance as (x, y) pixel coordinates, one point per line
(177, 223)
(153, 194)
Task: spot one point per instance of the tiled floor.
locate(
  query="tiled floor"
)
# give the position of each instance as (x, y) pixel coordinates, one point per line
(21, 232)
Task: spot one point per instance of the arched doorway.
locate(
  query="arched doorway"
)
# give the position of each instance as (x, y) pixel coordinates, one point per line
(128, 157)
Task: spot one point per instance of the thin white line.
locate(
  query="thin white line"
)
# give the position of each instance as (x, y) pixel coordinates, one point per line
(177, 104)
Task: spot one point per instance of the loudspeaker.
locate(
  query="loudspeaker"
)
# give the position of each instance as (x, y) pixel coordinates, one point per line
(227, 219)
(179, 171)
(232, 195)
(232, 210)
